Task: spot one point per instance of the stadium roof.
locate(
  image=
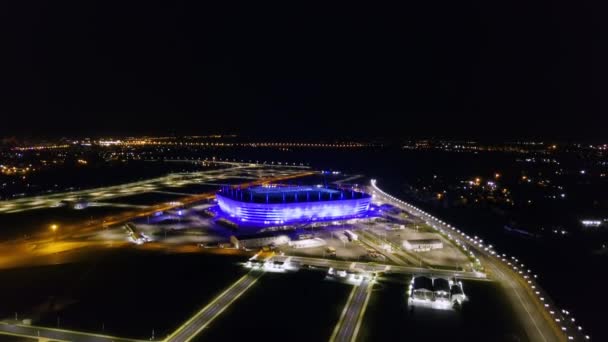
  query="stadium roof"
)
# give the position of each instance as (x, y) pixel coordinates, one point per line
(289, 194)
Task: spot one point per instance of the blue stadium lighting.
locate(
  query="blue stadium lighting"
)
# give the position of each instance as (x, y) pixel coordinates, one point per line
(267, 205)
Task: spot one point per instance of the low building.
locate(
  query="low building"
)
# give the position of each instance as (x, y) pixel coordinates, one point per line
(307, 243)
(254, 263)
(422, 288)
(441, 289)
(279, 265)
(437, 292)
(257, 241)
(457, 294)
(350, 235)
(422, 245)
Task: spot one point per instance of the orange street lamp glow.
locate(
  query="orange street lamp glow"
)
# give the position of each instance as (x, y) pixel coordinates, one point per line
(54, 227)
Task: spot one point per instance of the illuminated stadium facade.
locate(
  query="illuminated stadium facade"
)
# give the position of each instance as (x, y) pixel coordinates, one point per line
(279, 204)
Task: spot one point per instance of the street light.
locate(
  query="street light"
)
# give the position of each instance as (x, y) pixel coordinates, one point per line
(54, 228)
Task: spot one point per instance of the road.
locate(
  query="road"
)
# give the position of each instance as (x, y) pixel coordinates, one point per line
(536, 326)
(537, 322)
(17, 251)
(399, 257)
(376, 267)
(204, 317)
(363, 238)
(182, 334)
(173, 180)
(346, 180)
(348, 326)
(51, 334)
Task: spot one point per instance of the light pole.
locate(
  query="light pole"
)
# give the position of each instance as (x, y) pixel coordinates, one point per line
(54, 228)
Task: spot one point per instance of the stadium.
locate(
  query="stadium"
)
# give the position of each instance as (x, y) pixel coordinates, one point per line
(281, 204)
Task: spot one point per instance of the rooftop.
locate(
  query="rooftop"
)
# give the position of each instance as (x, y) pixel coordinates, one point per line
(440, 284)
(423, 283)
(424, 241)
(289, 194)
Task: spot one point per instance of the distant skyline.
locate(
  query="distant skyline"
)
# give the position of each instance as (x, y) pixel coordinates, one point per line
(458, 70)
(16, 140)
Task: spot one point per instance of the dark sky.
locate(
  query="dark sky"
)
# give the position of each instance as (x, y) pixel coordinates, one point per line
(415, 68)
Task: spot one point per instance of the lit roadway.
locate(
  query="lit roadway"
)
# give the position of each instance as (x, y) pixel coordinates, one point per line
(190, 328)
(536, 320)
(348, 326)
(184, 333)
(80, 230)
(51, 334)
(377, 267)
(174, 180)
(199, 321)
(363, 238)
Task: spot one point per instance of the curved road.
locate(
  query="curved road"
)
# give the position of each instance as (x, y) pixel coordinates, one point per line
(538, 324)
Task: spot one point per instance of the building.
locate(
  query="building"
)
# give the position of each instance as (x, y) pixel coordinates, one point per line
(350, 235)
(422, 288)
(456, 293)
(438, 292)
(441, 289)
(422, 245)
(282, 204)
(257, 241)
(307, 243)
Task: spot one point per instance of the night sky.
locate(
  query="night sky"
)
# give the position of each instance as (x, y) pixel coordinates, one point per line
(303, 68)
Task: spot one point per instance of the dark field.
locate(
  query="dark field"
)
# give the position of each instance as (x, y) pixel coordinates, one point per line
(17, 225)
(485, 317)
(125, 293)
(192, 188)
(299, 306)
(146, 198)
(9, 338)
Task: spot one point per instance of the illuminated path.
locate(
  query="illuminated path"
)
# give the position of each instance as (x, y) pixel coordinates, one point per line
(348, 326)
(202, 319)
(535, 326)
(50, 334)
(83, 229)
(376, 267)
(536, 321)
(364, 239)
(345, 180)
(174, 180)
